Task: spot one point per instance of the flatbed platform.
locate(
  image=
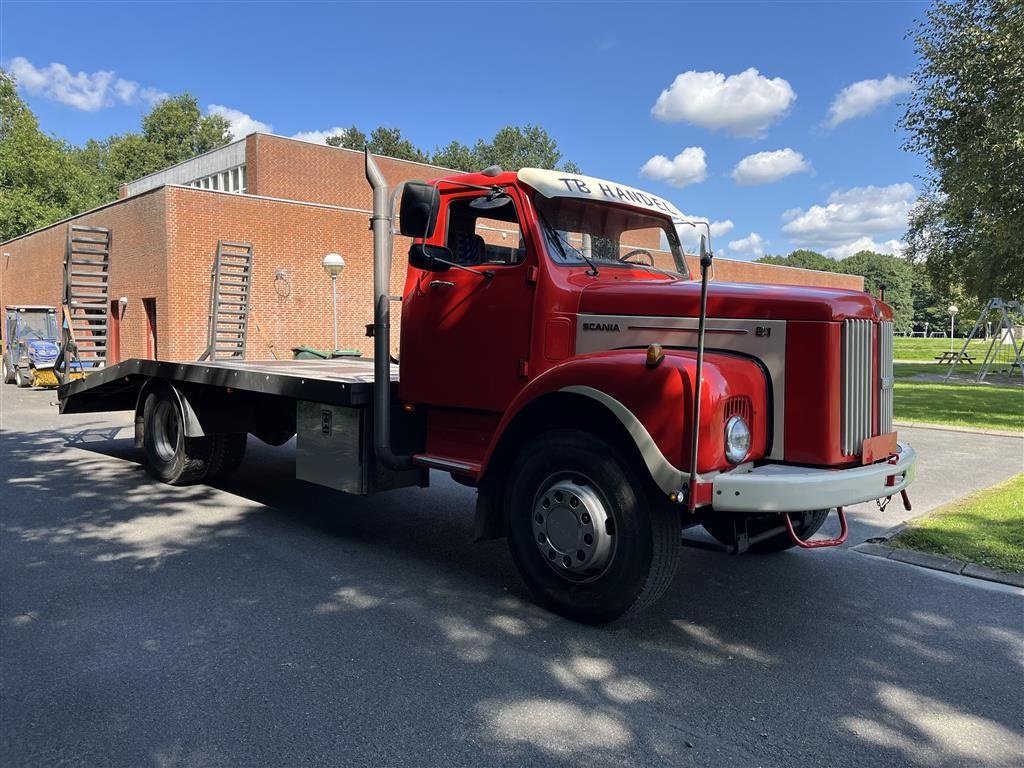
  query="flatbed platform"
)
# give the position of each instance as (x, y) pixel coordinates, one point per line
(341, 381)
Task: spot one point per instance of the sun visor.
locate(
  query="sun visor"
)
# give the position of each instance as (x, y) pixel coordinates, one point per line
(563, 184)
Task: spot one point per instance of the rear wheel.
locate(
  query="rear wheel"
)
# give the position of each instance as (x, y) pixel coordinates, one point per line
(227, 454)
(171, 456)
(586, 538)
(721, 526)
(7, 372)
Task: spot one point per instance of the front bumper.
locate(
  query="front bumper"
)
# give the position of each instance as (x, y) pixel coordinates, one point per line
(784, 488)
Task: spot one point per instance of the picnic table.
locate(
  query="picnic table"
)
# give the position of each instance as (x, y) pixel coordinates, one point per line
(954, 357)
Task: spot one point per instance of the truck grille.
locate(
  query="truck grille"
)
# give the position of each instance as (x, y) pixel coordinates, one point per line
(885, 355)
(857, 395)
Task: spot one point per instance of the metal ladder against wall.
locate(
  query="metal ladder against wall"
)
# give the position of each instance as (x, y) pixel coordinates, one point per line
(230, 291)
(86, 306)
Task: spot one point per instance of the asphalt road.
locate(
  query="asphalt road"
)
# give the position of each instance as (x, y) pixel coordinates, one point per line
(268, 622)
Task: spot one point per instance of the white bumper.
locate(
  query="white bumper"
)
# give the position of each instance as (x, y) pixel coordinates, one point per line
(783, 488)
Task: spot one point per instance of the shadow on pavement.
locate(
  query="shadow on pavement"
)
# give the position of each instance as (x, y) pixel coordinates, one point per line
(288, 624)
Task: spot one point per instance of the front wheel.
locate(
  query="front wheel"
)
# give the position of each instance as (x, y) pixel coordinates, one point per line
(587, 539)
(22, 378)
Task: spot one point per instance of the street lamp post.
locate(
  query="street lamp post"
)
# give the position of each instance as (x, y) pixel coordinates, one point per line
(334, 265)
(953, 309)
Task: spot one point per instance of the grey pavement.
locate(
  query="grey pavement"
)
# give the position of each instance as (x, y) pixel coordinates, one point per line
(270, 622)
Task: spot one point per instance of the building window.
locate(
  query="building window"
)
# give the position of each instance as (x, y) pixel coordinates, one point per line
(231, 180)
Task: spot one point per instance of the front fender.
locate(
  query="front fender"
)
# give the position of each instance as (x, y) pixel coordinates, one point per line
(653, 404)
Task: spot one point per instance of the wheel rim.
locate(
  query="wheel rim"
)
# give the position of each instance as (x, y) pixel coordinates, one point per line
(572, 527)
(166, 430)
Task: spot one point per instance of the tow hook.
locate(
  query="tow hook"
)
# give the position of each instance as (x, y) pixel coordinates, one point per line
(819, 543)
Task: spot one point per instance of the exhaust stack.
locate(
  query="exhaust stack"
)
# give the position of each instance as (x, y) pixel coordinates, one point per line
(381, 223)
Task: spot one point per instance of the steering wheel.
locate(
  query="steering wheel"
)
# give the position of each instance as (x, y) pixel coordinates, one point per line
(637, 252)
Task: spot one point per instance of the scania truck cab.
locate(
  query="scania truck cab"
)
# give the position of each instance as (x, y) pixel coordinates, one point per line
(557, 354)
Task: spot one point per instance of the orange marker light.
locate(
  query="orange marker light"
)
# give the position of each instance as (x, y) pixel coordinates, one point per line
(655, 354)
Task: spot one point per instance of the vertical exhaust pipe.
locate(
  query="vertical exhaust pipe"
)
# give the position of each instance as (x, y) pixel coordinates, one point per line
(381, 223)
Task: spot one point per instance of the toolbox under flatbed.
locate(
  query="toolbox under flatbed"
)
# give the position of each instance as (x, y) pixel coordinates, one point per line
(341, 381)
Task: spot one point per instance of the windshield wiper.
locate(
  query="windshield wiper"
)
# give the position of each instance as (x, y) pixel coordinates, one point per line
(555, 237)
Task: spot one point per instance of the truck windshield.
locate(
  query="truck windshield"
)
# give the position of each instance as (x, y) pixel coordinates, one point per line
(36, 325)
(584, 232)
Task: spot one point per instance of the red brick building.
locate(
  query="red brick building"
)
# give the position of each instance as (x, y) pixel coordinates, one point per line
(294, 202)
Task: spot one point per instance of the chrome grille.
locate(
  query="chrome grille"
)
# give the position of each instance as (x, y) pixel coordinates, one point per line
(855, 427)
(885, 384)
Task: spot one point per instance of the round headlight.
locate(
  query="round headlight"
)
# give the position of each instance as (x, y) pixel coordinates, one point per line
(737, 440)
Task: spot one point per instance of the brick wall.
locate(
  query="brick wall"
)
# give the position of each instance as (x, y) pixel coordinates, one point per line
(290, 293)
(33, 273)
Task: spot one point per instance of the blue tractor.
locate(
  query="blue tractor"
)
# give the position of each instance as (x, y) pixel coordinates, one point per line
(30, 346)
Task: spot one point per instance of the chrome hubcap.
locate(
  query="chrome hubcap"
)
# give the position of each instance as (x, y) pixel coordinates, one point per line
(571, 527)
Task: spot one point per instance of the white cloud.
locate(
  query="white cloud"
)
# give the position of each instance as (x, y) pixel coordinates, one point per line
(766, 167)
(864, 97)
(241, 123)
(744, 104)
(894, 247)
(88, 91)
(319, 137)
(690, 236)
(752, 246)
(861, 212)
(688, 167)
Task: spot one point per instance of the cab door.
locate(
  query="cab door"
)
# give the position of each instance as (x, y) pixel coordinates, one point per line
(465, 336)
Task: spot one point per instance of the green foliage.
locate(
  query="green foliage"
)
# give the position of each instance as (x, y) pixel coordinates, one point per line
(982, 405)
(352, 138)
(894, 273)
(803, 259)
(899, 278)
(175, 130)
(966, 117)
(985, 528)
(39, 183)
(513, 147)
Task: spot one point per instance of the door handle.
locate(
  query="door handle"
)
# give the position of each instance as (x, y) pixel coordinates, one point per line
(442, 284)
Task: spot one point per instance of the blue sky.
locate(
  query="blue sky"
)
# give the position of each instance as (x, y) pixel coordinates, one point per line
(777, 121)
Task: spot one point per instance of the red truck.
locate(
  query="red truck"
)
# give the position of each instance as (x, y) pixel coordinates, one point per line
(557, 355)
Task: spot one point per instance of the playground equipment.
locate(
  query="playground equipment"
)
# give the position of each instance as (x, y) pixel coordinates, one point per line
(1003, 322)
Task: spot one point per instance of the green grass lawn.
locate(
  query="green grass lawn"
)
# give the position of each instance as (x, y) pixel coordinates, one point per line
(968, 405)
(907, 348)
(986, 528)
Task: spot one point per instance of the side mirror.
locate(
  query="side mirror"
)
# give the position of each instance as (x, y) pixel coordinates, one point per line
(418, 209)
(432, 258)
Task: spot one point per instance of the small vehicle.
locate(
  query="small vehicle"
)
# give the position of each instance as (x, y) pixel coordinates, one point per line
(30, 346)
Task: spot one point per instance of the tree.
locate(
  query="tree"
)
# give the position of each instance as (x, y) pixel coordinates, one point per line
(803, 259)
(894, 273)
(391, 143)
(351, 138)
(513, 148)
(39, 182)
(966, 116)
(176, 130)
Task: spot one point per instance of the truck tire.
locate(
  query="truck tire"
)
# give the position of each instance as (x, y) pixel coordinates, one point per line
(8, 371)
(171, 457)
(587, 540)
(23, 378)
(806, 524)
(227, 454)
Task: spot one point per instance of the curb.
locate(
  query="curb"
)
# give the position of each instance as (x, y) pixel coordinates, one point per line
(954, 428)
(940, 563)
